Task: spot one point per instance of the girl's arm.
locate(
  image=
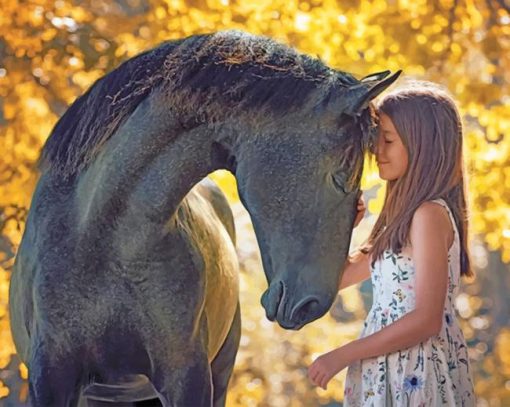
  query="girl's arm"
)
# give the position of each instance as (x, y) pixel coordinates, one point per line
(357, 269)
(430, 234)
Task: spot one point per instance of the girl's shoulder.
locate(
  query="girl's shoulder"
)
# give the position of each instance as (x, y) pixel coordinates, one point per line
(432, 219)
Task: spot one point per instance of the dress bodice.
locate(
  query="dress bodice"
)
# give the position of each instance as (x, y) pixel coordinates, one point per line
(393, 280)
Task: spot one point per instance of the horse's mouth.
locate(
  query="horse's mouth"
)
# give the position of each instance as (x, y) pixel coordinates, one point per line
(291, 326)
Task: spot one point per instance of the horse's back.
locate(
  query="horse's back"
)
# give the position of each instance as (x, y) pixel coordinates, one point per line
(206, 214)
(219, 202)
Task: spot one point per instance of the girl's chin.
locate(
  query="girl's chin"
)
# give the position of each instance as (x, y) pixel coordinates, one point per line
(384, 176)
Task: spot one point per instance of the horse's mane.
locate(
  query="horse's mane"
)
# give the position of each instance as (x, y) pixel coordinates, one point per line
(224, 73)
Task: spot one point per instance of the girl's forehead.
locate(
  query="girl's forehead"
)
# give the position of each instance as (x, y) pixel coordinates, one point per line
(385, 123)
(384, 118)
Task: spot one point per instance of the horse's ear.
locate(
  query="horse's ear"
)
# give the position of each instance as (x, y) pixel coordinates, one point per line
(369, 87)
(354, 99)
(375, 76)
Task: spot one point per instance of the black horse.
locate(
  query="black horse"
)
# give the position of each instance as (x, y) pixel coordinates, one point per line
(125, 285)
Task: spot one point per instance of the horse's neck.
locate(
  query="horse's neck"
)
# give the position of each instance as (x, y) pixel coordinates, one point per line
(170, 176)
(144, 171)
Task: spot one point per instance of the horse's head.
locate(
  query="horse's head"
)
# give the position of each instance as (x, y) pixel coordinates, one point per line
(299, 180)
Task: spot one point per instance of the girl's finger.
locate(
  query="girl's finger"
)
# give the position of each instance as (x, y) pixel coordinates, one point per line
(312, 377)
(319, 380)
(315, 382)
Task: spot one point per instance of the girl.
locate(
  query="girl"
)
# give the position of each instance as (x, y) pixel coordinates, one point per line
(411, 351)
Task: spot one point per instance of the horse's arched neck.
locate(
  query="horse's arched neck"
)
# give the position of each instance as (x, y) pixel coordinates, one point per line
(146, 169)
(167, 179)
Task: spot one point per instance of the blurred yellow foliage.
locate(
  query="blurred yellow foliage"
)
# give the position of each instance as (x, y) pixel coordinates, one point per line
(4, 390)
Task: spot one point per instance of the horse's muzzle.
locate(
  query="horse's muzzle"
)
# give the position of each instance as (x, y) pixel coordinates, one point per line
(279, 306)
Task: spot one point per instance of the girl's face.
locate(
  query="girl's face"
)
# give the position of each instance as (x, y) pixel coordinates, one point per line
(390, 152)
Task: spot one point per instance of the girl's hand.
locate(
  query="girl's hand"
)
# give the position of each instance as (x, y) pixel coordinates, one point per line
(326, 366)
(361, 211)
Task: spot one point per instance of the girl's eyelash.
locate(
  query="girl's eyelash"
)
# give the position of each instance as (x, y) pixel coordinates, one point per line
(388, 141)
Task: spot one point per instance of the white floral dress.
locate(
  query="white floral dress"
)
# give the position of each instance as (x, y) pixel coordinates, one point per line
(435, 372)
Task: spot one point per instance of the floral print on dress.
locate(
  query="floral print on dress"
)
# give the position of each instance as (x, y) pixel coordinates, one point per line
(436, 372)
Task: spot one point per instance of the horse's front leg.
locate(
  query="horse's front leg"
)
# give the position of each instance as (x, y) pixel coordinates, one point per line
(53, 383)
(186, 386)
(181, 373)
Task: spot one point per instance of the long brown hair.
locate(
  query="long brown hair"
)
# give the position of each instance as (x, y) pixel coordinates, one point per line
(429, 124)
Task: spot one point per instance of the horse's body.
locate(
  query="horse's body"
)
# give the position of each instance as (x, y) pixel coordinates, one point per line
(124, 313)
(126, 281)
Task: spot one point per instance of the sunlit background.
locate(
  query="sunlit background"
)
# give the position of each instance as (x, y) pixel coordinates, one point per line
(51, 52)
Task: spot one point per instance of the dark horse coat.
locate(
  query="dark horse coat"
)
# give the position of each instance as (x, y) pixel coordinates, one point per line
(125, 284)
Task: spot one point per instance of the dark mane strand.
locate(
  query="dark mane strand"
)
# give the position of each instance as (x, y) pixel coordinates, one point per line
(96, 115)
(248, 72)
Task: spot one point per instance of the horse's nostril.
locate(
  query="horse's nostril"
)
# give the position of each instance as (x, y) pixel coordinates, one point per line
(272, 300)
(305, 308)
